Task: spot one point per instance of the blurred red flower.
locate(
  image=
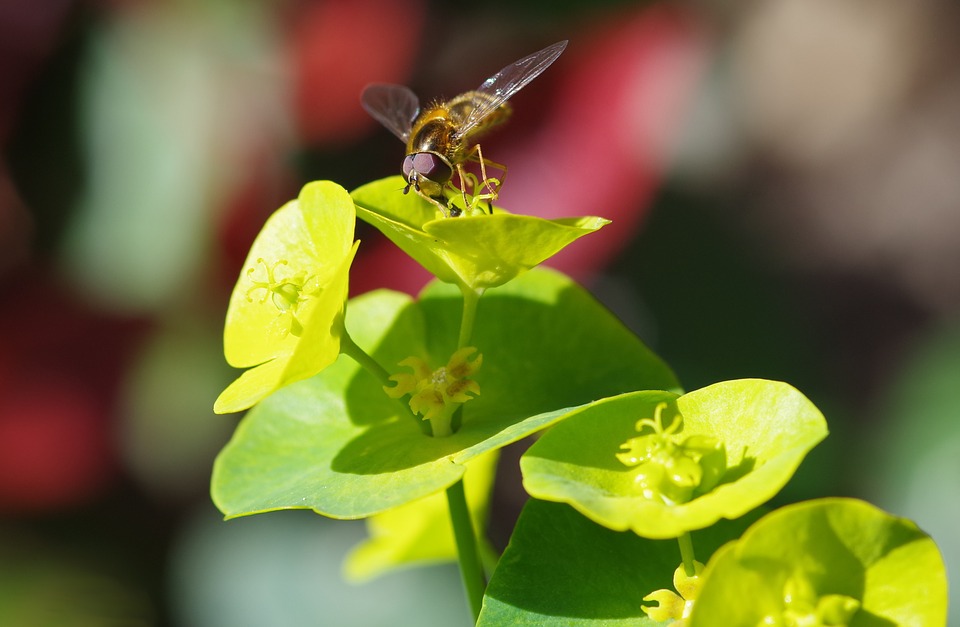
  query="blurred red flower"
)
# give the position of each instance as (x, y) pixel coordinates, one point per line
(60, 369)
(338, 47)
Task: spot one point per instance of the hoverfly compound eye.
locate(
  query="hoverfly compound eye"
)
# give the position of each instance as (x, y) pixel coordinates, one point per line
(408, 166)
(427, 165)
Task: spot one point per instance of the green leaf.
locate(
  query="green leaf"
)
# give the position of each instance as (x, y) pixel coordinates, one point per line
(825, 548)
(420, 532)
(766, 426)
(562, 569)
(337, 444)
(285, 316)
(475, 252)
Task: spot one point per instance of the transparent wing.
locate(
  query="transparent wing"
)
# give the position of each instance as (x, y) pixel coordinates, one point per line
(394, 106)
(498, 88)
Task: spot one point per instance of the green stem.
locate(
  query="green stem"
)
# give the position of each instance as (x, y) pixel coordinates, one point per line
(470, 300)
(349, 348)
(686, 554)
(441, 425)
(471, 570)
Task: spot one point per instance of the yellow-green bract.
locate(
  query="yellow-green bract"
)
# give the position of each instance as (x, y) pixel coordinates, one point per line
(474, 252)
(832, 561)
(767, 427)
(285, 317)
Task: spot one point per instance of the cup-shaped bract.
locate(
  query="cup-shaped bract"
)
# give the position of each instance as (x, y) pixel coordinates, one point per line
(285, 317)
(833, 561)
(475, 252)
(765, 427)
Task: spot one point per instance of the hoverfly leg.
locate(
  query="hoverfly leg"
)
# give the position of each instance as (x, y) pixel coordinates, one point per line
(441, 204)
(438, 202)
(463, 190)
(446, 208)
(493, 185)
(483, 171)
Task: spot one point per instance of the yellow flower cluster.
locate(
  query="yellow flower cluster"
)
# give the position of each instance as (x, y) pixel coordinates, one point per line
(436, 394)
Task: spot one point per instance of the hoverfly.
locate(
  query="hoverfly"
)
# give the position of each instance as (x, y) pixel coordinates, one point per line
(442, 137)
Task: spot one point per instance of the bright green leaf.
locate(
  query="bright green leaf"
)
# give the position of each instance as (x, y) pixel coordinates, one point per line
(420, 532)
(337, 444)
(821, 559)
(767, 428)
(285, 316)
(475, 252)
(562, 569)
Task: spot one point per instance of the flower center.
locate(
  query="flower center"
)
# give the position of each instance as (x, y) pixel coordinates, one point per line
(287, 293)
(436, 394)
(671, 469)
(439, 377)
(803, 607)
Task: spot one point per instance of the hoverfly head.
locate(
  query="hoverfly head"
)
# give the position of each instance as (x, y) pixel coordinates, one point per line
(426, 166)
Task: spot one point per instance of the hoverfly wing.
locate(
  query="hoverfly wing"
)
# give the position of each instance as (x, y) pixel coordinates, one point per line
(498, 88)
(394, 106)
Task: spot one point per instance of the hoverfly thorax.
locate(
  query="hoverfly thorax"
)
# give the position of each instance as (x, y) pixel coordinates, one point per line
(434, 130)
(442, 138)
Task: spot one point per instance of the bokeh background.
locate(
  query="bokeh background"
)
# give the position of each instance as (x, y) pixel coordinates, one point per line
(784, 180)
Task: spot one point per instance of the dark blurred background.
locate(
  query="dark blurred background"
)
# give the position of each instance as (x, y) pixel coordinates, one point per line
(783, 180)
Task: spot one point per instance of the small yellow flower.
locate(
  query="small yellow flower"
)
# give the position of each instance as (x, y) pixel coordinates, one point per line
(673, 606)
(803, 607)
(436, 394)
(671, 468)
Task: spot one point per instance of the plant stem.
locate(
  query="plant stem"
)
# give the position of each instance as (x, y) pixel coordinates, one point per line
(441, 425)
(470, 300)
(471, 570)
(686, 554)
(349, 348)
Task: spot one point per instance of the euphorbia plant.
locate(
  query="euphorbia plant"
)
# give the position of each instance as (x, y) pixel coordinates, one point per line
(378, 407)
